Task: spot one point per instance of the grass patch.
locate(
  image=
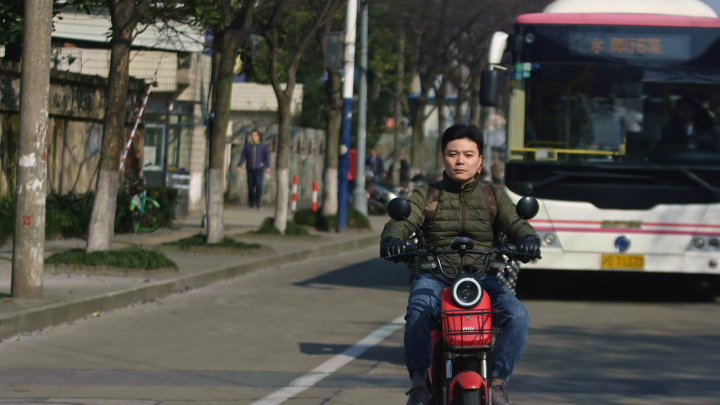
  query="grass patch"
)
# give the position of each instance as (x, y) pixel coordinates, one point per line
(354, 219)
(132, 257)
(201, 240)
(291, 228)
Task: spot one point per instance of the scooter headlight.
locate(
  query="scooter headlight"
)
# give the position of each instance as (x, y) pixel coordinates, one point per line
(466, 292)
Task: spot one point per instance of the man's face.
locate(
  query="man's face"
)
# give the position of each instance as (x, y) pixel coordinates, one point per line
(462, 160)
(373, 153)
(254, 137)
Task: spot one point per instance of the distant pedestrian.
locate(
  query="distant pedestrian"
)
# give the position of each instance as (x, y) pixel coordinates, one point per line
(352, 173)
(257, 155)
(376, 164)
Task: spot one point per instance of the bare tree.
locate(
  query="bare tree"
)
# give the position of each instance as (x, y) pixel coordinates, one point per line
(332, 130)
(288, 38)
(234, 21)
(125, 16)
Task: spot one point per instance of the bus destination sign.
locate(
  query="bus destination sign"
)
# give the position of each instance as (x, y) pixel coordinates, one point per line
(628, 46)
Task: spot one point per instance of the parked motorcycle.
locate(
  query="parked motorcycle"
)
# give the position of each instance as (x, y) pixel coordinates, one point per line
(464, 339)
(379, 194)
(378, 197)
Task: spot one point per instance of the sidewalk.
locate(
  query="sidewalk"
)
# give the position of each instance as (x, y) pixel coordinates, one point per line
(67, 297)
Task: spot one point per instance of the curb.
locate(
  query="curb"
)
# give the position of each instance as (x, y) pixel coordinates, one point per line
(35, 319)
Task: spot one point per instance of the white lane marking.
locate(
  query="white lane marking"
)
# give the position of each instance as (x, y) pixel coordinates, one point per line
(329, 367)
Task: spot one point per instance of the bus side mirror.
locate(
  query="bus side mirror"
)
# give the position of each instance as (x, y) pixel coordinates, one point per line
(490, 87)
(490, 78)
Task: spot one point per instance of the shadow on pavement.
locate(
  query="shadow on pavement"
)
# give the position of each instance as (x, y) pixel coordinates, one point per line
(614, 286)
(380, 354)
(376, 273)
(572, 360)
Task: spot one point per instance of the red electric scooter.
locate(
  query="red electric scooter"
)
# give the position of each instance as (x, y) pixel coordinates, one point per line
(464, 338)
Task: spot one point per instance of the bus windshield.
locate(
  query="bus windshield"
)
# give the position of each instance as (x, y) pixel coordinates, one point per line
(620, 116)
(619, 94)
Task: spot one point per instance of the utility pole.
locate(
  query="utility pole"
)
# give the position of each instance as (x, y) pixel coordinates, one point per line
(359, 196)
(350, 26)
(30, 183)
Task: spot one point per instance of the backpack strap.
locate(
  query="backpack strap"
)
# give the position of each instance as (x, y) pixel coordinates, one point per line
(431, 200)
(489, 194)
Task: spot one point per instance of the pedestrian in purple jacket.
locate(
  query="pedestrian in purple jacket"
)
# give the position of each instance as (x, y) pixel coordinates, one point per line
(257, 155)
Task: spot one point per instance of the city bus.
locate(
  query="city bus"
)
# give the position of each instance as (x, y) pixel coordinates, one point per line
(598, 130)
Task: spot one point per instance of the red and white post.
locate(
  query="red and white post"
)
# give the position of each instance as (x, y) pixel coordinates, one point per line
(293, 203)
(313, 206)
(139, 116)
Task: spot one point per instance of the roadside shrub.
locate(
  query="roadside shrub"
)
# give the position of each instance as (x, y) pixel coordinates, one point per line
(357, 220)
(267, 227)
(7, 218)
(201, 240)
(132, 257)
(326, 223)
(306, 217)
(167, 197)
(354, 220)
(68, 215)
(291, 228)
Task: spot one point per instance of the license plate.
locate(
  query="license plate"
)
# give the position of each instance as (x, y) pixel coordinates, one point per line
(630, 262)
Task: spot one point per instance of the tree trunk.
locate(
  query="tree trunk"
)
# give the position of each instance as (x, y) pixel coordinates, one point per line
(475, 96)
(283, 160)
(225, 43)
(440, 98)
(418, 136)
(332, 140)
(399, 93)
(461, 96)
(102, 219)
(30, 188)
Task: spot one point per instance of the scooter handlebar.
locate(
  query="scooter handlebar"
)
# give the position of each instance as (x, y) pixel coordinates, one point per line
(414, 250)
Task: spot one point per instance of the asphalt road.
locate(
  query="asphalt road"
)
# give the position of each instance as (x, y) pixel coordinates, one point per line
(292, 334)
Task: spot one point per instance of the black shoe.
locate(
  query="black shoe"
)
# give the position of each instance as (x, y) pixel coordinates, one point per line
(419, 395)
(499, 394)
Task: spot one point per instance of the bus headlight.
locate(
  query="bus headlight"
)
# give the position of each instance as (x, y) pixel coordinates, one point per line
(466, 292)
(714, 243)
(549, 239)
(698, 243)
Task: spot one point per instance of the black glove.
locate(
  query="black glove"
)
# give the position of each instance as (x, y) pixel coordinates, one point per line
(528, 245)
(393, 247)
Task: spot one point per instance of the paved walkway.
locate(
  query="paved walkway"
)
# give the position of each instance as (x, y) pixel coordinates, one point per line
(70, 296)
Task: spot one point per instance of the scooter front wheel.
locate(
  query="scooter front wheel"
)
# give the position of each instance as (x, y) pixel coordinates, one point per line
(462, 396)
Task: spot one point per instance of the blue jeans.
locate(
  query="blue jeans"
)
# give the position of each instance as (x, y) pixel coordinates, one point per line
(424, 309)
(255, 180)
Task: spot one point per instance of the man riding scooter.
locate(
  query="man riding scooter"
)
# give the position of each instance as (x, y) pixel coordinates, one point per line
(460, 205)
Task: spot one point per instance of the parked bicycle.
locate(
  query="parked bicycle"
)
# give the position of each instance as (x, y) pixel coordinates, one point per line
(145, 213)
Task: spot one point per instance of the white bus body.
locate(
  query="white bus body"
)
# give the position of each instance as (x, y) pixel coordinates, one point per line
(593, 86)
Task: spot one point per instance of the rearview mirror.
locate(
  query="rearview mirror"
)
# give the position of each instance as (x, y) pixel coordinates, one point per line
(398, 209)
(490, 80)
(527, 207)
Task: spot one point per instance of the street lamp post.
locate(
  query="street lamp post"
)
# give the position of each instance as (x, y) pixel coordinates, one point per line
(359, 196)
(350, 25)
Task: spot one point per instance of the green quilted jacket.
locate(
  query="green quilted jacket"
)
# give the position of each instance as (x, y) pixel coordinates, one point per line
(460, 212)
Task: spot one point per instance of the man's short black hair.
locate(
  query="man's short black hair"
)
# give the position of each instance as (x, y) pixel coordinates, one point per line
(462, 131)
